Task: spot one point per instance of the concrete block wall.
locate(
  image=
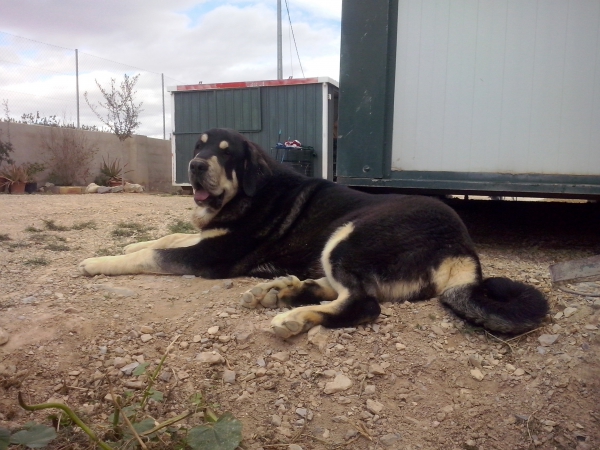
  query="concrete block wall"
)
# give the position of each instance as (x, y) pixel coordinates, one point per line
(149, 159)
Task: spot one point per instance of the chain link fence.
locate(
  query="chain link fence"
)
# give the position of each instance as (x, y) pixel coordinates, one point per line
(43, 81)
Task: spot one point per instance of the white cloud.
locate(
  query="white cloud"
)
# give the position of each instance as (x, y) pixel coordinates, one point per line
(189, 41)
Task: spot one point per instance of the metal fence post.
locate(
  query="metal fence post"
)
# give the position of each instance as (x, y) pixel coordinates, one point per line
(77, 83)
(162, 80)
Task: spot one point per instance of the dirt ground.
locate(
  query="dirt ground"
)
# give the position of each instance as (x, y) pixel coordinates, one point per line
(419, 378)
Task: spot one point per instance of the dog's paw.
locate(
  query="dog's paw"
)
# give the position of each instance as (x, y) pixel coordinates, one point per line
(271, 294)
(94, 266)
(291, 322)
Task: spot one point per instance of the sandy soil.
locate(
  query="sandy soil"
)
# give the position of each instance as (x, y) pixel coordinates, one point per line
(414, 374)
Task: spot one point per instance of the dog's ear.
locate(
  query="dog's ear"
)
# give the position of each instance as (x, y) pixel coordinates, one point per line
(255, 169)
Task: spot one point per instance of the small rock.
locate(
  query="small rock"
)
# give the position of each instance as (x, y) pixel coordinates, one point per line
(244, 397)
(281, 356)
(351, 433)
(133, 187)
(376, 369)
(318, 336)
(197, 338)
(29, 300)
(340, 383)
(476, 373)
(302, 412)
(134, 384)
(91, 188)
(470, 445)
(213, 330)
(229, 376)
(276, 420)
(475, 361)
(243, 336)
(227, 284)
(146, 330)
(146, 337)
(103, 190)
(374, 406)
(183, 375)
(568, 312)
(3, 336)
(369, 389)
(519, 372)
(548, 339)
(165, 376)
(129, 368)
(400, 346)
(294, 447)
(390, 439)
(119, 362)
(184, 345)
(210, 358)
(437, 330)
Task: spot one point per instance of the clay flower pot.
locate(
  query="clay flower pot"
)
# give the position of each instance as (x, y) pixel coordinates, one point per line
(17, 187)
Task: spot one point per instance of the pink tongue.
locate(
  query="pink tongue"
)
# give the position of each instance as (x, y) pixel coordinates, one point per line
(200, 195)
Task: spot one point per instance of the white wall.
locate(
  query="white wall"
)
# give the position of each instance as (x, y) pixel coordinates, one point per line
(498, 86)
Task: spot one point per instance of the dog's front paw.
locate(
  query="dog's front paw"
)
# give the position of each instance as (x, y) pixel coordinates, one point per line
(293, 322)
(270, 294)
(94, 266)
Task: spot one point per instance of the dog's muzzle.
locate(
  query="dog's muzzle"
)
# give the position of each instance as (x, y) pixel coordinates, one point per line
(197, 173)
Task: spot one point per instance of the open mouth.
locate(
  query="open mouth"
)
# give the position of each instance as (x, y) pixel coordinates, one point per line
(204, 198)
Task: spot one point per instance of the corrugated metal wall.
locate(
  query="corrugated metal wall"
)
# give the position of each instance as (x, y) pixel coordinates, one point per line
(261, 114)
(498, 86)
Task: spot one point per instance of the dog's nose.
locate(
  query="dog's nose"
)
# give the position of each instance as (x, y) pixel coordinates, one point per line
(198, 166)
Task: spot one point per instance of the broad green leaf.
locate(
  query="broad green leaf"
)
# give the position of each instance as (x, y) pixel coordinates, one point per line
(225, 434)
(144, 425)
(157, 396)
(4, 438)
(139, 370)
(37, 436)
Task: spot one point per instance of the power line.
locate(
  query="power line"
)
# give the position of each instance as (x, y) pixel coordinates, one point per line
(294, 37)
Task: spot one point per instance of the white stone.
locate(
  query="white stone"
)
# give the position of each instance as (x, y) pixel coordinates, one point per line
(3, 336)
(210, 358)
(374, 406)
(476, 373)
(548, 339)
(340, 383)
(281, 356)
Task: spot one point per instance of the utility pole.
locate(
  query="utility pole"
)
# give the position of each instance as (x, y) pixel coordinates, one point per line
(279, 57)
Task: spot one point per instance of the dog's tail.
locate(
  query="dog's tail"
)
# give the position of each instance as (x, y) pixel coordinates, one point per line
(498, 304)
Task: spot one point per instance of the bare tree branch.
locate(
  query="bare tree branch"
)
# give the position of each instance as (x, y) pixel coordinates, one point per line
(121, 113)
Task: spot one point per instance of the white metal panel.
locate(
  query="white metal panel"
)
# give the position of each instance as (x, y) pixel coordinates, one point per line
(498, 86)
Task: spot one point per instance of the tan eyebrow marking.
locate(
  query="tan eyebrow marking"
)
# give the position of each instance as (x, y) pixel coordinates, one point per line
(204, 138)
(223, 145)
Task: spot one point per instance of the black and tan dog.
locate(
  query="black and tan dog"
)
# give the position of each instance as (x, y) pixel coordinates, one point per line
(340, 252)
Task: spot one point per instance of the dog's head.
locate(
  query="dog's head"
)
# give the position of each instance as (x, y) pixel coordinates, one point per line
(225, 164)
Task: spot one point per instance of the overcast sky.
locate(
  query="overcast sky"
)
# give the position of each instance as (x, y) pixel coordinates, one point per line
(187, 40)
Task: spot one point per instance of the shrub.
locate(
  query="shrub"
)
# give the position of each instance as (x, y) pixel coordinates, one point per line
(69, 153)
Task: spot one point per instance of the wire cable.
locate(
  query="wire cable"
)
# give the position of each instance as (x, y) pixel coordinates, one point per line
(295, 44)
